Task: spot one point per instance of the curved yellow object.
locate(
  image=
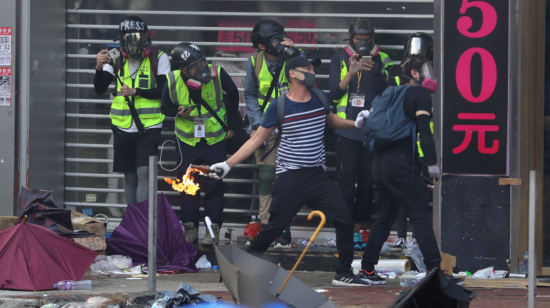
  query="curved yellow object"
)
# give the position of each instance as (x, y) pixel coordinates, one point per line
(313, 237)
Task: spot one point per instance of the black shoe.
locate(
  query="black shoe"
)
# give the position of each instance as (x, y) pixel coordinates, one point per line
(349, 279)
(371, 278)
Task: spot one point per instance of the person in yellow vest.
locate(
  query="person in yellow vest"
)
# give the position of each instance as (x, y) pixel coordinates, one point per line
(136, 116)
(353, 86)
(194, 94)
(265, 79)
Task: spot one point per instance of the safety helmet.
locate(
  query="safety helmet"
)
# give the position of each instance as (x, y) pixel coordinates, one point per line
(134, 38)
(186, 54)
(420, 44)
(264, 30)
(361, 25)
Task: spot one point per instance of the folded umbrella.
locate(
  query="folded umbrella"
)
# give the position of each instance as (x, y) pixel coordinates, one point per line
(34, 258)
(130, 238)
(40, 209)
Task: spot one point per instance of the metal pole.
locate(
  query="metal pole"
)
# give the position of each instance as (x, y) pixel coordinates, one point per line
(532, 266)
(152, 251)
(24, 88)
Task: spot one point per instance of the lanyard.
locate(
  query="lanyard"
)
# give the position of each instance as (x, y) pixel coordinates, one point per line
(359, 75)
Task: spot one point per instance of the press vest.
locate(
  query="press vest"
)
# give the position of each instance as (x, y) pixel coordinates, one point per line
(265, 77)
(212, 94)
(148, 109)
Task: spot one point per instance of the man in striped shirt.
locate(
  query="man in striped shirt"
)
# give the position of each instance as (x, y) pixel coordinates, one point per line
(301, 171)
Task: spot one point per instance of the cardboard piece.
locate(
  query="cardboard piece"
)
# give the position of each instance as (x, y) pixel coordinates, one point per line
(83, 222)
(504, 283)
(448, 263)
(7, 222)
(93, 242)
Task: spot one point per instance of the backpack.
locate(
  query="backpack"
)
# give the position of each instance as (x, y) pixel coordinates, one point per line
(281, 103)
(387, 121)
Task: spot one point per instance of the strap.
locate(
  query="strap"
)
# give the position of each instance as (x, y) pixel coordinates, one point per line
(212, 112)
(258, 63)
(320, 95)
(154, 62)
(281, 102)
(133, 111)
(271, 87)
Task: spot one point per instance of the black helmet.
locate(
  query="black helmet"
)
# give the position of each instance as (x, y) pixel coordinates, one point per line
(134, 38)
(419, 44)
(186, 54)
(264, 30)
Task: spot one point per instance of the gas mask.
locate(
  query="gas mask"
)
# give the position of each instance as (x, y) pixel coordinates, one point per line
(363, 48)
(274, 47)
(202, 75)
(427, 79)
(350, 51)
(308, 81)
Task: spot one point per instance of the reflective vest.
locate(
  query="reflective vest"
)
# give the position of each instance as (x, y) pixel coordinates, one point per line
(148, 109)
(388, 63)
(264, 78)
(212, 94)
(420, 153)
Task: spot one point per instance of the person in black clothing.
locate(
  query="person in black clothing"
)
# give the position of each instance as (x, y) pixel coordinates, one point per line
(398, 182)
(353, 86)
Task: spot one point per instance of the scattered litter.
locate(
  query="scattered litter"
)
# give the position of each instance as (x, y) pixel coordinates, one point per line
(489, 273)
(303, 242)
(133, 278)
(203, 263)
(111, 262)
(462, 274)
(129, 271)
(322, 290)
(73, 285)
(328, 242)
(96, 301)
(142, 275)
(57, 306)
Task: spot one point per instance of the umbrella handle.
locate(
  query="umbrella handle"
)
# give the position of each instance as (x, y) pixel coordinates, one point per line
(24, 220)
(313, 237)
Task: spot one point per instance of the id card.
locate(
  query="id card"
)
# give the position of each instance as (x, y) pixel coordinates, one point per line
(199, 130)
(357, 100)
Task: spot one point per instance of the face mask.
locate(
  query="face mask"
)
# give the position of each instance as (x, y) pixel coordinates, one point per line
(363, 47)
(202, 74)
(275, 48)
(308, 81)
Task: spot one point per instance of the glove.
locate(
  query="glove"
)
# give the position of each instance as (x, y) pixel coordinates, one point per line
(434, 173)
(224, 167)
(362, 118)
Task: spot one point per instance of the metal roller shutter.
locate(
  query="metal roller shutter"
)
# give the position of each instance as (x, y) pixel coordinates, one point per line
(222, 29)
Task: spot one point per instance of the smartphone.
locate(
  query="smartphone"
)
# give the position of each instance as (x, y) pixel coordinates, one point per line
(114, 53)
(193, 106)
(367, 58)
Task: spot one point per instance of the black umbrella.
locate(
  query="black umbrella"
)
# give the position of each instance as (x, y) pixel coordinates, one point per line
(435, 291)
(253, 281)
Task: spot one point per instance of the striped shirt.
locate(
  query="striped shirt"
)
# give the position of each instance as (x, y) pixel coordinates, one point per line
(302, 139)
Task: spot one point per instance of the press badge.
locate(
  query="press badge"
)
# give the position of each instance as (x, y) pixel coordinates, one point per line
(357, 100)
(199, 130)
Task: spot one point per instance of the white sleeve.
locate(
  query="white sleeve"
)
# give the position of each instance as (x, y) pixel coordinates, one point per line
(164, 65)
(108, 68)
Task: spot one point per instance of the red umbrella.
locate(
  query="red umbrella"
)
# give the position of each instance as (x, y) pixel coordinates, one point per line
(34, 258)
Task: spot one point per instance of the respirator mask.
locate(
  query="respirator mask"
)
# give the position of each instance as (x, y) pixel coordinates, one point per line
(274, 47)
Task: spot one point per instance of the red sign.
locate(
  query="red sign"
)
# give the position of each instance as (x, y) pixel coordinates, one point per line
(5, 86)
(475, 105)
(235, 36)
(301, 37)
(5, 46)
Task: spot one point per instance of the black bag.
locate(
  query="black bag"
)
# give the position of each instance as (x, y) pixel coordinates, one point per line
(435, 291)
(240, 138)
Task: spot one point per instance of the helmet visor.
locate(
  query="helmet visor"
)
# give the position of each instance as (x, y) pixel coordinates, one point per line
(134, 43)
(418, 46)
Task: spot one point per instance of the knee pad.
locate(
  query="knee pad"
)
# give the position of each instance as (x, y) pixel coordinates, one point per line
(267, 179)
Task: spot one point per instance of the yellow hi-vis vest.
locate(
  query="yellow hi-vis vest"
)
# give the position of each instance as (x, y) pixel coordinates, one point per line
(342, 102)
(148, 109)
(420, 153)
(212, 94)
(388, 63)
(264, 78)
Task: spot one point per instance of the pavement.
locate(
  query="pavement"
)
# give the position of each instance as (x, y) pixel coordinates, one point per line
(118, 287)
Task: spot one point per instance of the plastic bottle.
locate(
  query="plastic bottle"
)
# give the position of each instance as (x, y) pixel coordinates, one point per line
(526, 258)
(252, 219)
(101, 265)
(161, 303)
(73, 285)
(215, 269)
(408, 282)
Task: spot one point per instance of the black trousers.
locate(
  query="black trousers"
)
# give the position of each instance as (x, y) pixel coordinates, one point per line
(315, 188)
(397, 183)
(401, 224)
(353, 165)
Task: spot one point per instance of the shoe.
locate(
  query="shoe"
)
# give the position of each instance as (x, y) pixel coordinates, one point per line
(410, 243)
(372, 277)
(208, 240)
(358, 243)
(398, 245)
(349, 279)
(191, 233)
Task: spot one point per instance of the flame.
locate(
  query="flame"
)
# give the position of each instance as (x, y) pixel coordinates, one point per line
(186, 184)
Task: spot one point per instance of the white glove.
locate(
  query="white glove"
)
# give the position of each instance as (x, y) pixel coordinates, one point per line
(434, 173)
(362, 118)
(219, 170)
